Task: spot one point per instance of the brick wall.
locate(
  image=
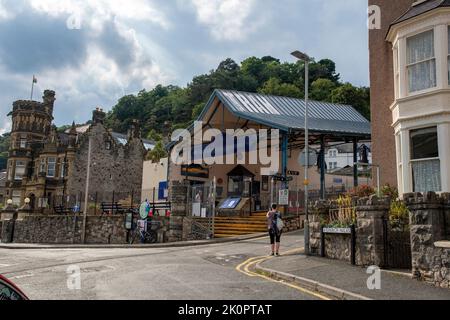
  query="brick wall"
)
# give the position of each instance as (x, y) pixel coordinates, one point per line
(382, 89)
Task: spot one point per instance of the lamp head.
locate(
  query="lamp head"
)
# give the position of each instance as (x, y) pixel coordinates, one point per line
(27, 200)
(9, 202)
(301, 56)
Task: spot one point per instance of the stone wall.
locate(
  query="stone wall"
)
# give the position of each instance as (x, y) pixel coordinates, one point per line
(369, 249)
(67, 229)
(430, 251)
(118, 169)
(292, 223)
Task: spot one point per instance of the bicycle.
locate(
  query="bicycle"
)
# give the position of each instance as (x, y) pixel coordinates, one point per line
(149, 236)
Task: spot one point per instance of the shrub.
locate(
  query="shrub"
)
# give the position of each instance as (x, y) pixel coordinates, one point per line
(389, 191)
(362, 191)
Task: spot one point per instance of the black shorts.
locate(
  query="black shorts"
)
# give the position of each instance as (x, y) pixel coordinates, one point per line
(274, 236)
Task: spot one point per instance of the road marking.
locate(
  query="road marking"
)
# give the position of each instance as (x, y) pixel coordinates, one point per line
(252, 261)
(27, 275)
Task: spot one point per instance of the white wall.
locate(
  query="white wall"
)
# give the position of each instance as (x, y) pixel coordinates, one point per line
(153, 174)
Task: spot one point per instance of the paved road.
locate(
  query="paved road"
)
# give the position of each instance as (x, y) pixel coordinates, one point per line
(202, 272)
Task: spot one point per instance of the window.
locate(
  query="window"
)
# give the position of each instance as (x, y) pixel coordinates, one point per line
(42, 166)
(16, 197)
(51, 167)
(332, 153)
(421, 62)
(62, 169)
(10, 170)
(20, 170)
(8, 293)
(23, 143)
(448, 57)
(396, 72)
(425, 163)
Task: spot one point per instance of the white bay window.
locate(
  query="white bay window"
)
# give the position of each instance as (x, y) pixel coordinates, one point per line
(421, 61)
(425, 162)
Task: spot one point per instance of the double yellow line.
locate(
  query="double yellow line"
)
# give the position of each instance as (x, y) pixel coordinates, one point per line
(245, 266)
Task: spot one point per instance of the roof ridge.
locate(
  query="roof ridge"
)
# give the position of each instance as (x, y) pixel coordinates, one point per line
(285, 97)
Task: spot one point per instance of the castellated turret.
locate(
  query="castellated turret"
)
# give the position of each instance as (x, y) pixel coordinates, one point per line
(32, 119)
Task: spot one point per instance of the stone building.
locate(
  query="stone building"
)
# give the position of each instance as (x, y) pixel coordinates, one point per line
(45, 165)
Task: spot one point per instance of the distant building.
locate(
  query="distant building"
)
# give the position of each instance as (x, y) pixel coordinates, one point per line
(341, 156)
(154, 181)
(45, 165)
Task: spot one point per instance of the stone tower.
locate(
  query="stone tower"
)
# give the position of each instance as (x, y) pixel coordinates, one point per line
(31, 124)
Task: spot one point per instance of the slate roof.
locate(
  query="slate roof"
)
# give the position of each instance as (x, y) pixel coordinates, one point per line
(421, 8)
(288, 113)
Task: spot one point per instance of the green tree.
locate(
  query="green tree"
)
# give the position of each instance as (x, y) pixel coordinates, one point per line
(321, 90)
(275, 87)
(359, 98)
(157, 153)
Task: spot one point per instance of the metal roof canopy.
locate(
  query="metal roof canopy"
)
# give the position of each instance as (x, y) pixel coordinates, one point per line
(336, 122)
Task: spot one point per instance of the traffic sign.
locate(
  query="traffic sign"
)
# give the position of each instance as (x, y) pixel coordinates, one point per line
(144, 210)
(282, 178)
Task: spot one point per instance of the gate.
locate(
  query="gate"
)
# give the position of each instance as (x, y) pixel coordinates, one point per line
(397, 245)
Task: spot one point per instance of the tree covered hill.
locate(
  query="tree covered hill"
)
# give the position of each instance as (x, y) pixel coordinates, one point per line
(166, 108)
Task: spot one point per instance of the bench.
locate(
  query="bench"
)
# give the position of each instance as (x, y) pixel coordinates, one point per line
(112, 208)
(61, 210)
(157, 206)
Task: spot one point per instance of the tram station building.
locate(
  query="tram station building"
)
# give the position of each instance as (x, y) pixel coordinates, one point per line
(249, 115)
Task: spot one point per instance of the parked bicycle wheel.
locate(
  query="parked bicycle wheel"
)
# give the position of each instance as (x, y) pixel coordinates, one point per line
(151, 237)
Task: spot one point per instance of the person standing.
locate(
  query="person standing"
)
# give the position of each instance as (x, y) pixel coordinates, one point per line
(275, 235)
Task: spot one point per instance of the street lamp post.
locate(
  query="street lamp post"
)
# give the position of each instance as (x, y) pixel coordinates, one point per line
(304, 57)
(86, 192)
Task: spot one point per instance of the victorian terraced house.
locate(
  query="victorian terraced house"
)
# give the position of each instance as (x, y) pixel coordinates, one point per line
(411, 94)
(44, 164)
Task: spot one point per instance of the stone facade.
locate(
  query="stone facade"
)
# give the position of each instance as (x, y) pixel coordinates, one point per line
(46, 166)
(114, 167)
(370, 214)
(430, 251)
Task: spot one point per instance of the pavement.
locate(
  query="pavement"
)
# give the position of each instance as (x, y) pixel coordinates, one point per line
(341, 280)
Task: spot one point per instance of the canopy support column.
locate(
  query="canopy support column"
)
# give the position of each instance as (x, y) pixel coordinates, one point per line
(322, 168)
(355, 162)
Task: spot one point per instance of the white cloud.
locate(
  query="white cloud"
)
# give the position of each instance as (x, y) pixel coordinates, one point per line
(4, 14)
(227, 19)
(95, 12)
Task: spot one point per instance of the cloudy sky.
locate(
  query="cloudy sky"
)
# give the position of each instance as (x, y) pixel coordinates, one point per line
(93, 52)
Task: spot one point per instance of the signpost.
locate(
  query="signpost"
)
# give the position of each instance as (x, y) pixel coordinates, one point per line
(283, 199)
